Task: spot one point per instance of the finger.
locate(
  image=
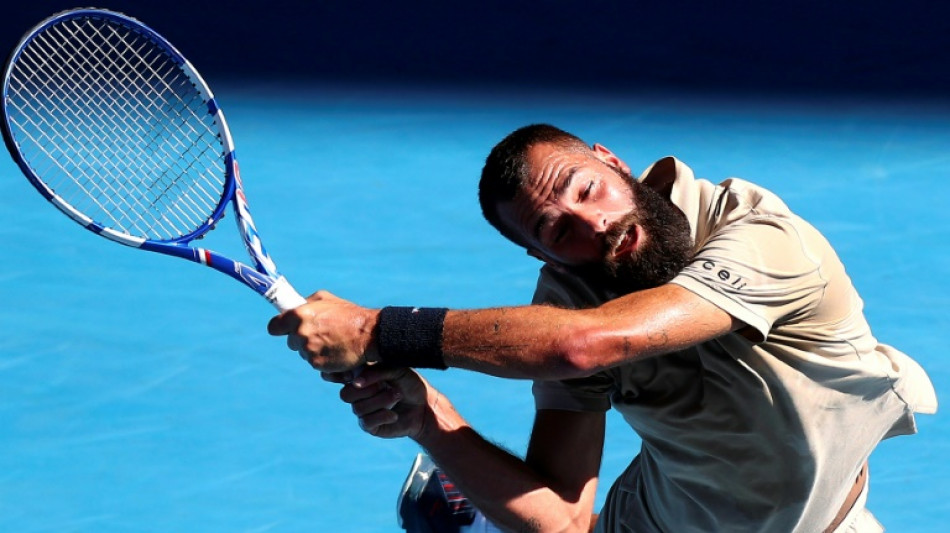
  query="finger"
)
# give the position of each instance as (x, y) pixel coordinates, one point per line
(319, 295)
(337, 377)
(325, 358)
(384, 400)
(372, 422)
(345, 377)
(294, 342)
(351, 394)
(373, 374)
(283, 323)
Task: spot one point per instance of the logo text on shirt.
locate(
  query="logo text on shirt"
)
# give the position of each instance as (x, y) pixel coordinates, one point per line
(737, 282)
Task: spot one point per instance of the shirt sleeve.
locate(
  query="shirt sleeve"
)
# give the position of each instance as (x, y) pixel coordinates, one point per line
(761, 269)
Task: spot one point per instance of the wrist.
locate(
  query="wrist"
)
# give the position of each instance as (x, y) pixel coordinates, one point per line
(410, 337)
(439, 419)
(370, 331)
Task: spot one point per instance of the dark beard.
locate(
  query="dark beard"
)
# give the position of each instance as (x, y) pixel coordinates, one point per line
(667, 250)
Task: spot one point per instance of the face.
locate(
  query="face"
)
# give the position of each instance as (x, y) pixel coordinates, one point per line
(583, 212)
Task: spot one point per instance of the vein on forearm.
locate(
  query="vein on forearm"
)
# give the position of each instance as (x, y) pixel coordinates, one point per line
(518, 342)
(545, 342)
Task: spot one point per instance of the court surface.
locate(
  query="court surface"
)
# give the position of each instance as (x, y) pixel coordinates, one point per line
(142, 393)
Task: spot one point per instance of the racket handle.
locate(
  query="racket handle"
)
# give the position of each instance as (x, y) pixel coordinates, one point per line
(283, 296)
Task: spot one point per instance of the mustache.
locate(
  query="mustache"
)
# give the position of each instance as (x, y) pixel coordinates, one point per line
(616, 232)
(666, 246)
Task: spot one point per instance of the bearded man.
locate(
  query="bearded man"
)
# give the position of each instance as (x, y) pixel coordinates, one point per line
(720, 324)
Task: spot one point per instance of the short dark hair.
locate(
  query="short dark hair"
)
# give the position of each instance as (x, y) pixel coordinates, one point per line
(505, 170)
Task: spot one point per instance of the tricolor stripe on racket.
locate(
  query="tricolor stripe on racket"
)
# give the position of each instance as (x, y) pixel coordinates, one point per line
(113, 126)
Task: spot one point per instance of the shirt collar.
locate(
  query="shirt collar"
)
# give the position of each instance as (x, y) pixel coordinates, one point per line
(673, 179)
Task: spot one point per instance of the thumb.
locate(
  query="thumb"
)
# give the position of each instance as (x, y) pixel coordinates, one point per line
(284, 323)
(322, 295)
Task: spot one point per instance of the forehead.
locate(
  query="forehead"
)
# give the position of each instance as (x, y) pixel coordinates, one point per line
(546, 164)
(541, 155)
(546, 168)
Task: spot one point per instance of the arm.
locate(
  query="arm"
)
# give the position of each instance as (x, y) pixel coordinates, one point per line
(539, 342)
(552, 490)
(544, 342)
(566, 448)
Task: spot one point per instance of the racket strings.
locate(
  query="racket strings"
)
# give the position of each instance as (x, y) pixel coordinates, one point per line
(90, 118)
(74, 133)
(117, 129)
(132, 106)
(123, 65)
(115, 153)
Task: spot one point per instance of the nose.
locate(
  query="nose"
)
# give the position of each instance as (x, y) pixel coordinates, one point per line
(593, 222)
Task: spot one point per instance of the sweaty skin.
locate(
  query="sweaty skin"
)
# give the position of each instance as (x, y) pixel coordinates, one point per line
(573, 199)
(567, 216)
(529, 342)
(574, 196)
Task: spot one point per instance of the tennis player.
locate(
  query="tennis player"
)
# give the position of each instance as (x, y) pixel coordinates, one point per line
(720, 324)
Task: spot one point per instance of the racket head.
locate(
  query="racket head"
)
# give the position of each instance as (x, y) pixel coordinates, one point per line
(111, 124)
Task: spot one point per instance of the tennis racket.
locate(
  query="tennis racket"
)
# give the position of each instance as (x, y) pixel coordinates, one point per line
(113, 126)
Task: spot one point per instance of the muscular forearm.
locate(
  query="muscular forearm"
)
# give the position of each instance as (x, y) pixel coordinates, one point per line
(502, 486)
(515, 342)
(534, 342)
(543, 342)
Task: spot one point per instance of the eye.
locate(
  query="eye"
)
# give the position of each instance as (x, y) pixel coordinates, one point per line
(559, 231)
(585, 193)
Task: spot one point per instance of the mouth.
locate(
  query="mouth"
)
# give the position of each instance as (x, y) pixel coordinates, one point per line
(627, 242)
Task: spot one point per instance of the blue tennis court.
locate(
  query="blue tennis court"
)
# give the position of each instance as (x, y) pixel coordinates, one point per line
(139, 393)
(142, 393)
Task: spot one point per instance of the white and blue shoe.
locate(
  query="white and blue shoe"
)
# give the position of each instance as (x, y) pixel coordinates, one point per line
(429, 502)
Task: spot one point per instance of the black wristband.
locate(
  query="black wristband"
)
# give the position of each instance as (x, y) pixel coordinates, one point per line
(411, 337)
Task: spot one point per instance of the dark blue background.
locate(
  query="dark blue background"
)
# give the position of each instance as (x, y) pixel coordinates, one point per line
(854, 47)
(118, 415)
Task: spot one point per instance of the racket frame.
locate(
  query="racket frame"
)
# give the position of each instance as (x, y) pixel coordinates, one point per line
(262, 276)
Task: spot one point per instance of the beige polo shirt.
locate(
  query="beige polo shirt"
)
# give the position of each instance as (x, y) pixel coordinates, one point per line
(760, 430)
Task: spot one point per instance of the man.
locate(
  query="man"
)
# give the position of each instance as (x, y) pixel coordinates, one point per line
(721, 325)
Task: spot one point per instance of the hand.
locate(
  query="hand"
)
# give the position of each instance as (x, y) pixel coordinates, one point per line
(332, 334)
(389, 402)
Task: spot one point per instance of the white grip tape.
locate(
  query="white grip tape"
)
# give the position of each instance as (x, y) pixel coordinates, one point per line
(282, 296)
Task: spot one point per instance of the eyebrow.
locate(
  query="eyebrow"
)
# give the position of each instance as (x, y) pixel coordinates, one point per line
(565, 183)
(562, 186)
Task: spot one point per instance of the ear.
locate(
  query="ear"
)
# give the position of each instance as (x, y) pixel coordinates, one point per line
(601, 152)
(540, 256)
